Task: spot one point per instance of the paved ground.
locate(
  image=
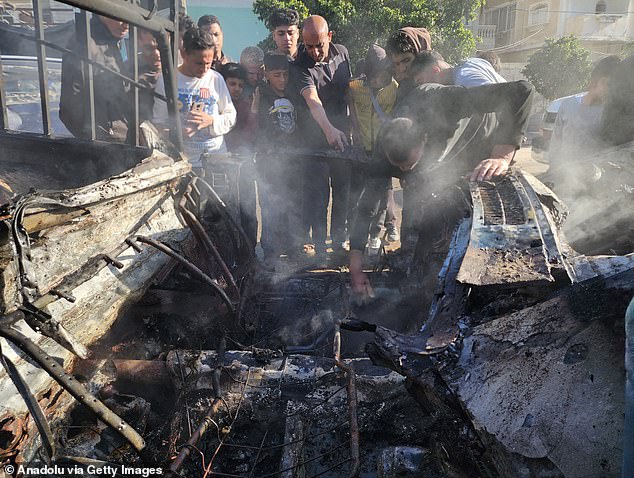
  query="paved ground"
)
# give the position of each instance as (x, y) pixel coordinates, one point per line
(524, 160)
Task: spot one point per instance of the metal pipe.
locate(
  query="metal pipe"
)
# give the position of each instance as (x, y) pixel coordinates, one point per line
(126, 11)
(4, 118)
(227, 215)
(32, 404)
(134, 43)
(171, 89)
(199, 231)
(351, 389)
(628, 431)
(88, 74)
(74, 387)
(196, 436)
(191, 267)
(42, 68)
(91, 62)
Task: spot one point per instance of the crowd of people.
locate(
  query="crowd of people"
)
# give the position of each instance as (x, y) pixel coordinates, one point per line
(411, 114)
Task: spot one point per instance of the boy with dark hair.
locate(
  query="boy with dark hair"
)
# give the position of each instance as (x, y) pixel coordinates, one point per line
(211, 25)
(280, 178)
(284, 26)
(207, 113)
(372, 100)
(239, 138)
(576, 131)
(402, 47)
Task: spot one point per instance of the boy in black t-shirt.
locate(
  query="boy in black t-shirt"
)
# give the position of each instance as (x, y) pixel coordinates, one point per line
(280, 176)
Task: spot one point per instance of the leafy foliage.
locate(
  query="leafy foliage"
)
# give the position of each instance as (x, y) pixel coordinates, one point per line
(561, 67)
(358, 23)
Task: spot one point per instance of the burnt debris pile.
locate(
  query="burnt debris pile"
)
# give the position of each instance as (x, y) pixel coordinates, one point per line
(200, 361)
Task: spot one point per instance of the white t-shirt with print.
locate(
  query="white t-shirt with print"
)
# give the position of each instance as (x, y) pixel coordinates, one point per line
(208, 94)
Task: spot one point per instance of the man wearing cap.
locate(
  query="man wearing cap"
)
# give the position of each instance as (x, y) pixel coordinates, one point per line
(402, 47)
(440, 135)
(279, 173)
(322, 72)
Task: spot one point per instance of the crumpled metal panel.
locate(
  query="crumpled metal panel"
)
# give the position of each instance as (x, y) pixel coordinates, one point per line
(547, 381)
(512, 238)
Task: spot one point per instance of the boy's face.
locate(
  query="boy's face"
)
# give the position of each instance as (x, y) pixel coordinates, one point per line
(278, 80)
(197, 62)
(254, 73)
(401, 63)
(235, 86)
(216, 34)
(286, 37)
(380, 79)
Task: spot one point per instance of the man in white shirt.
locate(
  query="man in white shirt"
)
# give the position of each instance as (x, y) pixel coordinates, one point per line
(576, 132)
(430, 67)
(204, 102)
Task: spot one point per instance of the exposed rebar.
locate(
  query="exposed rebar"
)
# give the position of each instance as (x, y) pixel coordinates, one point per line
(75, 388)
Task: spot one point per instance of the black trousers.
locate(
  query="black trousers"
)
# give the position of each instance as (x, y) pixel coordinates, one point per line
(320, 177)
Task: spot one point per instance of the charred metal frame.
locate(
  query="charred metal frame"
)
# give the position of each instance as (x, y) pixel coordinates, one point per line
(136, 16)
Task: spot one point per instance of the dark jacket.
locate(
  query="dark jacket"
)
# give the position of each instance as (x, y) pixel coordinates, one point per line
(112, 94)
(462, 125)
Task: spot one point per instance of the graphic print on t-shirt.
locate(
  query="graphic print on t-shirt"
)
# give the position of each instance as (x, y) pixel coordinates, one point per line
(198, 99)
(283, 116)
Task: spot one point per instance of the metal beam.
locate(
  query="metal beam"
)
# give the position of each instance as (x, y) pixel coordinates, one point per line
(171, 90)
(134, 126)
(42, 69)
(125, 12)
(4, 118)
(88, 73)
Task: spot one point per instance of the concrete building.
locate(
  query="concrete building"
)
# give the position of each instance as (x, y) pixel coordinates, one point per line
(516, 29)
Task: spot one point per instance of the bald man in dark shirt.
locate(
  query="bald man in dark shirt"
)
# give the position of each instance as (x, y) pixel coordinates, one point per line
(321, 73)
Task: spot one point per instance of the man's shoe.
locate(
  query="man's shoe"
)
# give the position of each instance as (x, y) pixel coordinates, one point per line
(392, 233)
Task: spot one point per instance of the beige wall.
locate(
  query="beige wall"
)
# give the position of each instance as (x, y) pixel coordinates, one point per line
(526, 38)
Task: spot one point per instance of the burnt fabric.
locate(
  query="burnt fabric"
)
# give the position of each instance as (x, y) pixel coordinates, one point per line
(462, 125)
(112, 94)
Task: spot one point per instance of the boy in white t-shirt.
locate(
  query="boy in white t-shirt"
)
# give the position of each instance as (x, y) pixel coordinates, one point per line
(204, 102)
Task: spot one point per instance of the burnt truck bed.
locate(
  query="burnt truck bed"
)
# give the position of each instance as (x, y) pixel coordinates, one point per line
(31, 161)
(515, 371)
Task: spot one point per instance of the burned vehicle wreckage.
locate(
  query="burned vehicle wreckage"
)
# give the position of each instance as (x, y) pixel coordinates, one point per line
(138, 333)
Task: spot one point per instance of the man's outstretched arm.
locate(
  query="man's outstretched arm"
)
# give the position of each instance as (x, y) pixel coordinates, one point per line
(335, 137)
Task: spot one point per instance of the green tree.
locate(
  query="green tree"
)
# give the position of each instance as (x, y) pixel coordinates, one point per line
(560, 68)
(358, 23)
